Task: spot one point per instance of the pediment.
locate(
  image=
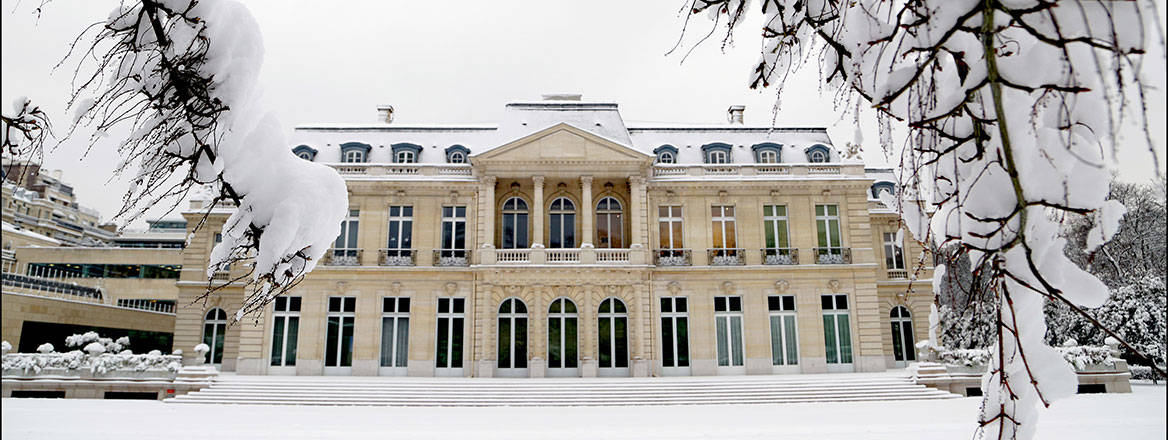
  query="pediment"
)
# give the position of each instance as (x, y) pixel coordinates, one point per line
(562, 143)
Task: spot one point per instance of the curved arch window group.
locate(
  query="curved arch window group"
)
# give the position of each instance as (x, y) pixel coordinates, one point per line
(563, 334)
(515, 218)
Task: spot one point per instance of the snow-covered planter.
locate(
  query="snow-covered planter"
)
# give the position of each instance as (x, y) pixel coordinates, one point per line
(1083, 358)
(78, 363)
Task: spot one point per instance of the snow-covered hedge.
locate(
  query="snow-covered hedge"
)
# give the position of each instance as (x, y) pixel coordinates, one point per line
(1080, 356)
(76, 360)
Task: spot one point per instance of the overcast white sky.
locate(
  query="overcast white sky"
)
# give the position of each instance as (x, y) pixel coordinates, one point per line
(458, 61)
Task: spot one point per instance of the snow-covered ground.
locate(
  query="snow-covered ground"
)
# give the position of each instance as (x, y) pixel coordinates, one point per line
(1140, 415)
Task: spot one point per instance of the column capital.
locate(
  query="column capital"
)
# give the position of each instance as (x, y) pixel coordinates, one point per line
(538, 180)
(488, 180)
(636, 180)
(587, 180)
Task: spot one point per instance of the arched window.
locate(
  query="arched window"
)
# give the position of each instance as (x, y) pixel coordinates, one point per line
(514, 224)
(903, 345)
(818, 153)
(304, 152)
(457, 154)
(883, 187)
(404, 157)
(768, 156)
(512, 334)
(612, 325)
(609, 230)
(562, 223)
(666, 154)
(562, 334)
(214, 330)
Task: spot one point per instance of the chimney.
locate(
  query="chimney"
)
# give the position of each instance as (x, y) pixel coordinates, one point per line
(385, 113)
(734, 114)
(562, 97)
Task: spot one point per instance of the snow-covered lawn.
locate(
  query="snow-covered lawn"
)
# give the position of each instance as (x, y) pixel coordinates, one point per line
(1140, 415)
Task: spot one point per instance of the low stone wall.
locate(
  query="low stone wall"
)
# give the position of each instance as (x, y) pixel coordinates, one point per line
(78, 375)
(966, 380)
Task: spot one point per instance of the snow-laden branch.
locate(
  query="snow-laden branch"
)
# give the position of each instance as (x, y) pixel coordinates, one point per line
(1013, 111)
(183, 74)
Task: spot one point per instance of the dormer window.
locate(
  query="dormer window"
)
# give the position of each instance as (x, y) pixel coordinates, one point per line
(457, 154)
(406, 153)
(304, 152)
(882, 187)
(818, 154)
(767, 152)
(666, 154)
(355, 152)
(716, 153)
(354, 156)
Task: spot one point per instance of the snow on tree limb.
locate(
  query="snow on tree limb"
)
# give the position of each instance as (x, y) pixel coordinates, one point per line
(1013, 109)
(184, 75)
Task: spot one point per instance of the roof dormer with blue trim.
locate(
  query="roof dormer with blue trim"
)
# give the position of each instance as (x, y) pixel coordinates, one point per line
(406, 152)
(355, 152)
(767, 152)
(666, 154)
(456, 154)
(879, 187)
(818, 153)
(305, 152)
(716, 153)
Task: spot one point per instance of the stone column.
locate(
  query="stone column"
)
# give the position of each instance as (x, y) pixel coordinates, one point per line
(637, 210)
(537, 212)
(586, 206)
(487, 212)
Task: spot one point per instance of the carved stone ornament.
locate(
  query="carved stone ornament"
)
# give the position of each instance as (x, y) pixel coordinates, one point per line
(781, 286)
(674, 288)
(727, 288)
(451, 287)
(834, 285)
(395, 288)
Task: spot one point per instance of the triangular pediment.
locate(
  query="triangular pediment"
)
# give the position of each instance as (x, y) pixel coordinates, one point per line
(559, 143)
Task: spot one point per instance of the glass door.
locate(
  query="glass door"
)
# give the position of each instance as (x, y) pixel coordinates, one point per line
(562, 341)
(612, 324)
(285, 333)
(512, 337)
(784, 339)
(674, 336)
(728, 330)
(903, 344)
(837, 333)
(395, 336)
(451, 319)
(338, 353)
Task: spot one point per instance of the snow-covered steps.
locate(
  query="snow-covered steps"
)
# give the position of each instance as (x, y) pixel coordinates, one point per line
(386, 391)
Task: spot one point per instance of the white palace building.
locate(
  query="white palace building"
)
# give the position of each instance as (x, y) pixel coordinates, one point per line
(565, 241)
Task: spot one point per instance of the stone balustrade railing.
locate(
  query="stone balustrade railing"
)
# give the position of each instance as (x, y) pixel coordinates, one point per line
(403, 169)
(681, 171)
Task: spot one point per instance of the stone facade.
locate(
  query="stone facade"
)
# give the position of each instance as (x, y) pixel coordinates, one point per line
(582, 152)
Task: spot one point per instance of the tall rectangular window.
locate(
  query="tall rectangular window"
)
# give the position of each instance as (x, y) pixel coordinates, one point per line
(728, 330)
(453, 232)
(837, 334)
(451, 316)
(784, 340)
(401, 231)
(674, 332)
(346, 243)
(722, 227)
(339, 332)
(777, 246)
(395, 331)
(893, 252)
(669, 227)
(827, 228)
(285, 330)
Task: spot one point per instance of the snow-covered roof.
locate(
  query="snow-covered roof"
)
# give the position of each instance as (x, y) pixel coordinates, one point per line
(10, 228)
(521, 119)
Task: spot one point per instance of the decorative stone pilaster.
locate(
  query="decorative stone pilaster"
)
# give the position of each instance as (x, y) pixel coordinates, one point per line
(537, 212)
(487, 212)
(637, 209)
(586, 207)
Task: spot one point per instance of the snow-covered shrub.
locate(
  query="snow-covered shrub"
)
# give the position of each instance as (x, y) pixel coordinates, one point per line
(5, 346)
(108, 344)
(1137, 311)
(1144, 372)
(1078, 356)
(158, 353)
(94, 348)
(202, 349)
(99, 364)
(1083, 355)
(45, 348)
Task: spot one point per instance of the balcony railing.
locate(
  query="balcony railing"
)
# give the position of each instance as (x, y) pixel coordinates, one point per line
(833, 255)
(897, 274)
(674, 171)
(403, 169)
(342, 257)
(780, 256)
(452, 257)
(513, 255)
(672, 257)
(726, 257)
(604, 256)
(397, 257)
(563, 255)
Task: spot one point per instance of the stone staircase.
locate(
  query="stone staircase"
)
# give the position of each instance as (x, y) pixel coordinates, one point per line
(482, 392)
